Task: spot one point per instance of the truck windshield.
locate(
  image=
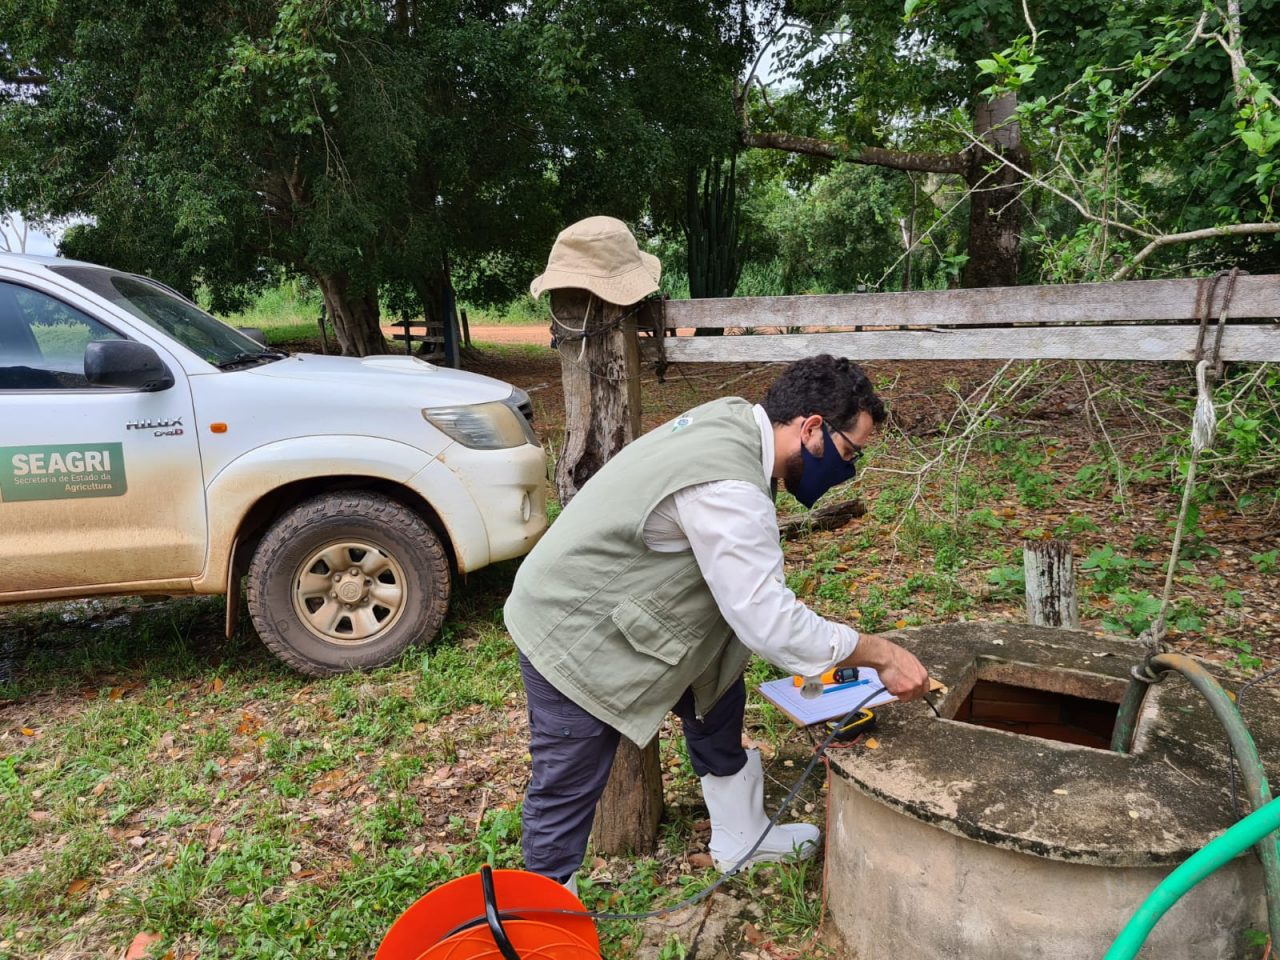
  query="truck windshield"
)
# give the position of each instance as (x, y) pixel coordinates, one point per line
(215, 341)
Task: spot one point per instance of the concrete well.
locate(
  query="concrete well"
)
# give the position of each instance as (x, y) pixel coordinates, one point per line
(974, 837)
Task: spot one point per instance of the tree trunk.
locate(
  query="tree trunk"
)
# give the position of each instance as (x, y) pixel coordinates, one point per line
(601, 376)
(630, 808)
(995, 208)
(354, 313)
(434, 287)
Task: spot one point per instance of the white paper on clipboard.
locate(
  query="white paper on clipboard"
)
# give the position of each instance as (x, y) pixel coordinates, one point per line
(785, 695)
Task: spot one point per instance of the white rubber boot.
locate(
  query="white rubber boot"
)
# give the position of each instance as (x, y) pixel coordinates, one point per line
(572, 883)
(736, 805)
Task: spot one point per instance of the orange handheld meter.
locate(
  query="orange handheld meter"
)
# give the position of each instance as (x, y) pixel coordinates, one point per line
(834, 675)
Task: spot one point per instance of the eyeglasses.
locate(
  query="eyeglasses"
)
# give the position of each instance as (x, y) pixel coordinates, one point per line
(856, 448)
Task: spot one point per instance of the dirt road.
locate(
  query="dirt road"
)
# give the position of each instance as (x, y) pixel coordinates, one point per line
(494, 333)
(512, 333)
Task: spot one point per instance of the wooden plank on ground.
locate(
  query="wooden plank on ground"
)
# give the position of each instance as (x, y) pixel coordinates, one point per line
(1128, 301)
(1239, 342)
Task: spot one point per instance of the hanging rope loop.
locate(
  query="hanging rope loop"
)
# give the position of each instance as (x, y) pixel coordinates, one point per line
(1204, 425)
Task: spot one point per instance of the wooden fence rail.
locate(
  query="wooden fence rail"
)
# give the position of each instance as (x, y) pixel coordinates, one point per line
(1132, 320)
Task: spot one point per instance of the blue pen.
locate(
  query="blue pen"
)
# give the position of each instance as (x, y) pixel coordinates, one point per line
(844, 686)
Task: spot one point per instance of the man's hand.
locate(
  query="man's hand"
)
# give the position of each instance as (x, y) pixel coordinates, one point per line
(901, 673)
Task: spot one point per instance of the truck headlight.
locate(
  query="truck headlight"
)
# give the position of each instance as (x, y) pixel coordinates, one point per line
(483, 426)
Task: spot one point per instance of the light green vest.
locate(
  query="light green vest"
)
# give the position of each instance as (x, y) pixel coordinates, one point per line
(619, 629)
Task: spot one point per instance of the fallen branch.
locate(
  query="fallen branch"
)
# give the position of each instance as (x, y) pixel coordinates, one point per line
(870, 156)
(826, 518)
(1208, 233)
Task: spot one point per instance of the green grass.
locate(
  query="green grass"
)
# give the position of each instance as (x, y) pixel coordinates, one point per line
(162, 779)
(523, 311)
(286, 313)
(165, 734)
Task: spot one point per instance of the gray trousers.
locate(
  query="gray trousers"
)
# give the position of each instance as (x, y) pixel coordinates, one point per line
(573, 752)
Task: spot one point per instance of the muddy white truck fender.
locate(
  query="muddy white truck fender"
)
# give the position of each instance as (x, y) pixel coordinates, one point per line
(246, 480)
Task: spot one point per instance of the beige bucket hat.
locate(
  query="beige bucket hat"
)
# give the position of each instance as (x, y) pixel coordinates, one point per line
(600, 254)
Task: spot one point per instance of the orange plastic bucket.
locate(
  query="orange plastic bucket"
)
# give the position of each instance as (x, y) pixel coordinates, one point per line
(429, 929)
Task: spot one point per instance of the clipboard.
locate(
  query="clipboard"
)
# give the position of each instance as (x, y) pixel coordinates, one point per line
(832, 705)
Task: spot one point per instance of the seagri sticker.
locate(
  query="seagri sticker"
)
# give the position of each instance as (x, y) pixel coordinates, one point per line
(64, 471)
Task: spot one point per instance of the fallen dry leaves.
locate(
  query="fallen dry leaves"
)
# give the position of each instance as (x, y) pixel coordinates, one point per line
(140, 947)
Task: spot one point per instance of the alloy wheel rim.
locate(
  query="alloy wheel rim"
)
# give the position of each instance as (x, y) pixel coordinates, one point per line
(349, 592)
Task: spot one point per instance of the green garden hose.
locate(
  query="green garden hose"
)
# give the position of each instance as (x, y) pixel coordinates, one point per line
(1251, 831)
(1251, 771)
(1127, 715)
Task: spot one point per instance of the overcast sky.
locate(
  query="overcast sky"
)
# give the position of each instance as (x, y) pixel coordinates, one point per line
(38, 242)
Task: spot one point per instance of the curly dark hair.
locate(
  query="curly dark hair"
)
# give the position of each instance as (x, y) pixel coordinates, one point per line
(831, 387)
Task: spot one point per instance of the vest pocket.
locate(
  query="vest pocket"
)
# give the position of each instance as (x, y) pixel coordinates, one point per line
(650, 633)
(667, 622)
(646, 650)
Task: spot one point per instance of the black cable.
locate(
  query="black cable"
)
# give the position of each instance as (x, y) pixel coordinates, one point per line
(514, 913)
(493, 917)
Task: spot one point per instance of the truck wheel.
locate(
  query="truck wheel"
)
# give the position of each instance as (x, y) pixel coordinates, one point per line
(347, 581)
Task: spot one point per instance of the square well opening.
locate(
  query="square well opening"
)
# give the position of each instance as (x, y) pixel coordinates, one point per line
(1068, 706)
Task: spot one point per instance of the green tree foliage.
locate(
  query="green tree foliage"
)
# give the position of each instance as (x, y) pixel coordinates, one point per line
(376, 147)
(861, 84)
(845, 234)
(823, 228)
(1161, 119)
(1091, 127)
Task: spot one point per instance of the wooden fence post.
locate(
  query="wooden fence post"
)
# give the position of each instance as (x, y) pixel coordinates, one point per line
(1051, 584)
(601, 376)
(601, 406)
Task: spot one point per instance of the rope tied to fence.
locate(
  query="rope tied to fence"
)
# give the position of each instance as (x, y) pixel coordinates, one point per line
(1204, 426)
(1205, 294)
(564, 333)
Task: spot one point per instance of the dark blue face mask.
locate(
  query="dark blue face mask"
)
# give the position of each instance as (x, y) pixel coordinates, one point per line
(820, 474)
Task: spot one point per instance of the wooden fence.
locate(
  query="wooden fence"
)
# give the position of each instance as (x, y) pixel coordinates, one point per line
(1130, 320)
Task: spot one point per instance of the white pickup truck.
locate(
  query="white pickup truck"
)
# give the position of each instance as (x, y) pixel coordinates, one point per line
(148, 448)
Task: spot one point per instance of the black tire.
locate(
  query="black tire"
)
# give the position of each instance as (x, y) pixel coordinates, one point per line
(416, 567)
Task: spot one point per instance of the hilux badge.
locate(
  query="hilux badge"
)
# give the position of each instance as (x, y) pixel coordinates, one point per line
(152, 424)
(161, 428)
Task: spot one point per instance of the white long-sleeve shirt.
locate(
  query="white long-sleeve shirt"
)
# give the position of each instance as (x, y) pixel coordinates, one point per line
(732, 529)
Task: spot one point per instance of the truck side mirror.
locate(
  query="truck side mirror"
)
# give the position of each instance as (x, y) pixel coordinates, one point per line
(124, 363)
(255, 334)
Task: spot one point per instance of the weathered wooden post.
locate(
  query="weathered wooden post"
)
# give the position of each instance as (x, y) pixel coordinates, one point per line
(601, 398)
(600, 370)
(1051, 584)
